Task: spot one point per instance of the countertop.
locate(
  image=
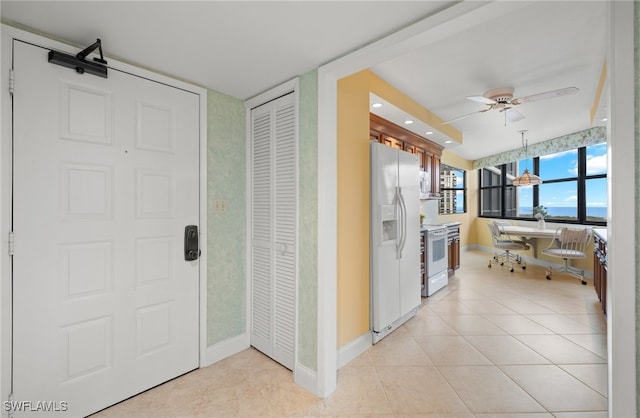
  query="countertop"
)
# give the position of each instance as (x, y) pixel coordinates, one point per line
(601, 232)
(451, 224)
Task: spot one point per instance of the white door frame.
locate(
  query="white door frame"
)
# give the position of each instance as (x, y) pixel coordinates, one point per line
(621, 324)
(8, 34)
(621, 220)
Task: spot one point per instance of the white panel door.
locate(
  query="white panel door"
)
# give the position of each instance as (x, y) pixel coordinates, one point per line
(106, 179)
(274, 229)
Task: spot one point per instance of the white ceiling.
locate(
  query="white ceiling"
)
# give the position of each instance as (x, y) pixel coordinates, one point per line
(243, 48)
(240, 48)
(538, 47)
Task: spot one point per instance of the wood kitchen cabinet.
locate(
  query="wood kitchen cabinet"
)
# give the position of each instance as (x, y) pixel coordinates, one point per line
(392, 142)
(395, 136)
(600, 268)
(453, 247)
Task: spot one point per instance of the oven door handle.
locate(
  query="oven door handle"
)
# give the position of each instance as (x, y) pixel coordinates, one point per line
(439, 233)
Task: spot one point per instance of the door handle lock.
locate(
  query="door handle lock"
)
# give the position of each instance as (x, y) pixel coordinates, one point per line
(191, 247)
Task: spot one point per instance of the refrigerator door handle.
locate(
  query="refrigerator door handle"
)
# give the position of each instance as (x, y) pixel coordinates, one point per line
(399, 223)
(403, 222)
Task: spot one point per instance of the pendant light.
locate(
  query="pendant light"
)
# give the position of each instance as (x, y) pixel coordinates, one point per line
(526, 179)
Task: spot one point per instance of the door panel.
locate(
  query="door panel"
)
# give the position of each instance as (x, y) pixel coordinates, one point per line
(262, 232)
(274, 229)
(285, 233)
(106, 178)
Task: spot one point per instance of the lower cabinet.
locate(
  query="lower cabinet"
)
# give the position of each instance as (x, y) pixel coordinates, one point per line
(453, 245)
(600, 269)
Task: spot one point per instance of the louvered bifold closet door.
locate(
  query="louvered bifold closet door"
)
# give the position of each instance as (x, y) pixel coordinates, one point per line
(285, 235)
(261, 232)
(274, 229)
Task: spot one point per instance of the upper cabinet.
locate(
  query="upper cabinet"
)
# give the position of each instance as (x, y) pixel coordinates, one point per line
(395, 136)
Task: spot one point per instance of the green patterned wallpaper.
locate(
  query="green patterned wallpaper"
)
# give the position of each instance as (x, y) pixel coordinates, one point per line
(308, 221)
(592, 136)
(226, 240)
(226, 288)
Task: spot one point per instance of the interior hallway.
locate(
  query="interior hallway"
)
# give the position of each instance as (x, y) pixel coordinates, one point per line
(491, 344)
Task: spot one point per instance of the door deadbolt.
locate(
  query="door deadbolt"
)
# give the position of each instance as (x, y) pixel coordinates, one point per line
(191, 248)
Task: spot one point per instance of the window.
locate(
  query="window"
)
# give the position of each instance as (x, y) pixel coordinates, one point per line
(453, 190)
(596, 183)
(574, 187)
(491, 191)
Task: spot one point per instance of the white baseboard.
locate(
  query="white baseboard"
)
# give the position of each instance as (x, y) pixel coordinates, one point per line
(354, 348)
(226, 348)
(306, 378)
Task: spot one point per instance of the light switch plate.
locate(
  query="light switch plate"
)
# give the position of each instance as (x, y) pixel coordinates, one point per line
(220, 205)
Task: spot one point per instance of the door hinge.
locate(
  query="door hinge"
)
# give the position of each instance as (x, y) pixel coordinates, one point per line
(11, 243)
(12, 81)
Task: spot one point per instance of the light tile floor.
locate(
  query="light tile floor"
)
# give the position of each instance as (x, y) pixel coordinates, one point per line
(491, 344)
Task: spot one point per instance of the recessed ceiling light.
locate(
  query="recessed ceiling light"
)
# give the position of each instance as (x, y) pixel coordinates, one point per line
(448, 141)
(408, 122)
(429, 133)
(604, 119)
(376, 105)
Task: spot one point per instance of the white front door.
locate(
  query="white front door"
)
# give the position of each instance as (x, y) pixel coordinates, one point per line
(105, 181)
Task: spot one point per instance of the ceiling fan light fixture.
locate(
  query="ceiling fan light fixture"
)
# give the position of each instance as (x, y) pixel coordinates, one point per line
(502, 100)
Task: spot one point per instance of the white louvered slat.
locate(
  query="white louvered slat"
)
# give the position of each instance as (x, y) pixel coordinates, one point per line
(261, 181)
(262, 260)
(261, 295)
(274, 229)
(285, 232)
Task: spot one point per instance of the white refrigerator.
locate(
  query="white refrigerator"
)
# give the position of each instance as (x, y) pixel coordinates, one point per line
(395, 238)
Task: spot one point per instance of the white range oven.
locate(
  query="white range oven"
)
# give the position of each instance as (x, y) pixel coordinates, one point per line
(436, 258)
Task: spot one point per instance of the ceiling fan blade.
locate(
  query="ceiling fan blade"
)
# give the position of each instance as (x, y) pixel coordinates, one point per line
(482, 99)
(546, 95)
(465, 116)
(513, 115)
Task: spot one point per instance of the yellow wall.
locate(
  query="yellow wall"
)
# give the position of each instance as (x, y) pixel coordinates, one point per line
(353, 194)
(353, 207)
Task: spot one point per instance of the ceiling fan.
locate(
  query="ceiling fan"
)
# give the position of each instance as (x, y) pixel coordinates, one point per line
(502, 100)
